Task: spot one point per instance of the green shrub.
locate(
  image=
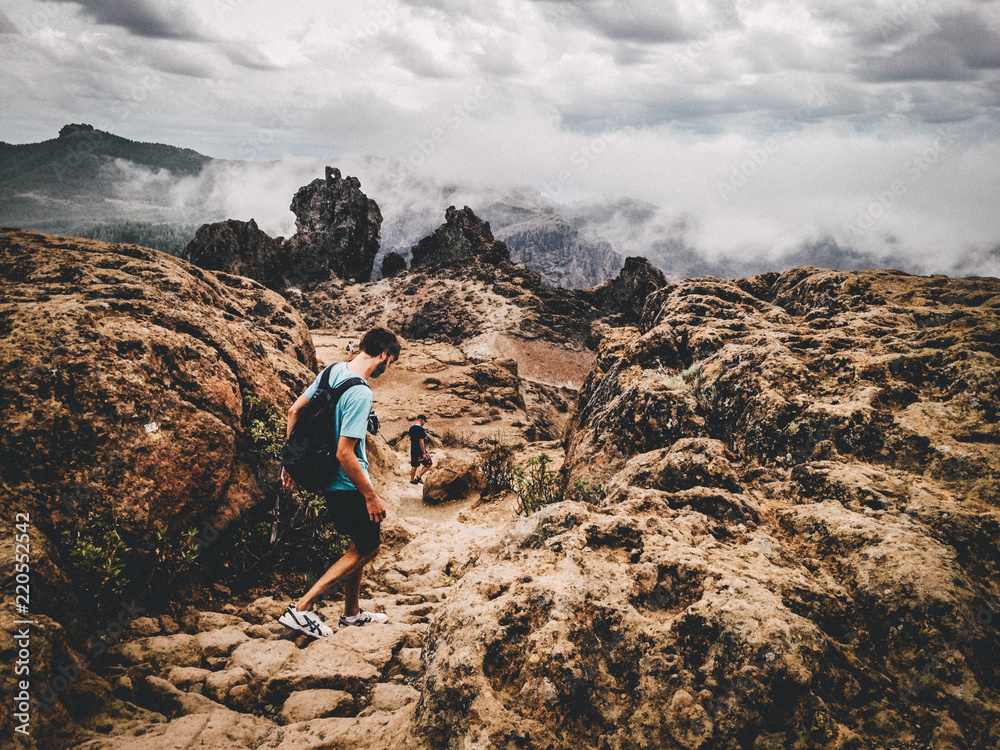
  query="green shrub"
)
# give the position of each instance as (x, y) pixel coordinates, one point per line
(98, 557)
(266, 427)
(585, 491)
(536, 485)
(496, 465)
(691, 374)
(109, 562)
(456, 438)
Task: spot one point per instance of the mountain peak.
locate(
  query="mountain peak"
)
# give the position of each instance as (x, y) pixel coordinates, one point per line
(73, 128)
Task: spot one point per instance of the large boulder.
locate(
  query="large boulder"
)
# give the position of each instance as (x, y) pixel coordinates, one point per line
(239, 248)
(452, 478)
(130, 380)
(130, 377)
(794, 544)
(337, 231)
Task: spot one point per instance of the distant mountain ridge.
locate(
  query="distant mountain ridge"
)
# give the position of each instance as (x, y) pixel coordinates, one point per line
(73, 182)
(91, 183)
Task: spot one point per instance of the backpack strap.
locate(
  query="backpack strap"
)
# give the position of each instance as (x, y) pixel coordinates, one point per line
(343, 387)
(324, 383)
(324, 380)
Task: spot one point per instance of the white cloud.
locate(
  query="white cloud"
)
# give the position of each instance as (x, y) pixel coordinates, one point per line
(660, 101)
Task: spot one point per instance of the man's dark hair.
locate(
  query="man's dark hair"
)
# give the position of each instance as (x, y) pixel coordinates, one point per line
(421, 416)
(379, 340)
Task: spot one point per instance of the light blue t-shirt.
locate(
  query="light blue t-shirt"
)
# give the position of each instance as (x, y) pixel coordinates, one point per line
(351, 419)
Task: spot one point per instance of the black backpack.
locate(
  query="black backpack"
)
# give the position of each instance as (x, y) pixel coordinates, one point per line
(310, 453)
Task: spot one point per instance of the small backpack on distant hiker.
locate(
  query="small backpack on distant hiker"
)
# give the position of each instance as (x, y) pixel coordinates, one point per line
(310, 453)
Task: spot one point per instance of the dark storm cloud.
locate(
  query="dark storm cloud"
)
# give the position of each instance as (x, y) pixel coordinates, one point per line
(962, 46)
(7, 26)
(144, 18)
(976, 43)
(642, 21)
(247, 56)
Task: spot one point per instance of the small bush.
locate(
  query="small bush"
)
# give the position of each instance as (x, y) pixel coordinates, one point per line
(110, 563)
(496, 465)
(456, 439)
(585, 491)
(536, 485)
(691, 374)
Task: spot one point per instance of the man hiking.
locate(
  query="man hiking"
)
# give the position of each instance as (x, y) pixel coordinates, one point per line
(419, 457)
(350, 497)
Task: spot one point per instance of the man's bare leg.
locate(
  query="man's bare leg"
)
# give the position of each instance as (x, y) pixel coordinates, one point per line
(352, 593)
(351, 563)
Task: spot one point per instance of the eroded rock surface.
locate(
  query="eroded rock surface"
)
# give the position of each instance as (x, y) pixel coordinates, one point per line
(239, 248)
(124, 403)
(783, 534)
(794, 544)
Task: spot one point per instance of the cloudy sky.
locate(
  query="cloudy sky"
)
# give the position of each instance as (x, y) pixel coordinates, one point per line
(754, 125)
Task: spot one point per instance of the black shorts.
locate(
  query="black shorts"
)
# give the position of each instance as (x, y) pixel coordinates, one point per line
(416, 457)
(349, 513)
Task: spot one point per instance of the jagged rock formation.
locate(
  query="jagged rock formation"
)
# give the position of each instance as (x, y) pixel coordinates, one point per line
(125, 403)
(239, 248)
(74, 128)
(555, 249)
(461, 284)
(625, 295)
(337, 236)
(393, 264)
(464, 239)
(337, 231)
(795, 545)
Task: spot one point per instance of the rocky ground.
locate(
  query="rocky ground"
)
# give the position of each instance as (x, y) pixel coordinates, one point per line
(236, 677)
(794, 545)
(780, 529)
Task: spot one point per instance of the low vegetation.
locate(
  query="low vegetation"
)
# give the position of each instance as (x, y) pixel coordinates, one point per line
(170, 238)
(536, 485)
(296, 530)
(496, 465)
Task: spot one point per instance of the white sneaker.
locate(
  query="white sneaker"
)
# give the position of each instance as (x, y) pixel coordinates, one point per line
(364, 617)
(305, 622)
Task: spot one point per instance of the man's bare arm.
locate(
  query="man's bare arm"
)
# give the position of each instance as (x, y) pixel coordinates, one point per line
(293, 413)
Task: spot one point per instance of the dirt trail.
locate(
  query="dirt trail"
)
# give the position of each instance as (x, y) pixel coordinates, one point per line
(239, 678)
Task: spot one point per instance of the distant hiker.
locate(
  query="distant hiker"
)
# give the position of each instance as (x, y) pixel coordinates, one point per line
(350, 350)
(353, 504)
(419, 457)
